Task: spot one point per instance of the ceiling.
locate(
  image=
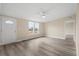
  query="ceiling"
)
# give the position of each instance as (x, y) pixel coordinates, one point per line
(32, 11)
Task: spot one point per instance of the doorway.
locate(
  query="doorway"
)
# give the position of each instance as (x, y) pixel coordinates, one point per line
(8, 34)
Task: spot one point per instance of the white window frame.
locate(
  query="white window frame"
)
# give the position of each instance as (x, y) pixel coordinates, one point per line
(34, 27)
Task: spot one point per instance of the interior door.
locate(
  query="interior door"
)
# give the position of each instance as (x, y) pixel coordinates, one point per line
(8, 30)
(69, 29)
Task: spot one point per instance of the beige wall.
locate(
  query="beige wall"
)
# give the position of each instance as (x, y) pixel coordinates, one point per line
(69, 28)
(77, 31)
(21, 29)
(24, 34)
(57, 29)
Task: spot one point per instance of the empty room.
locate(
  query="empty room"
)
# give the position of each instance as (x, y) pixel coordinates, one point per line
(39, 29)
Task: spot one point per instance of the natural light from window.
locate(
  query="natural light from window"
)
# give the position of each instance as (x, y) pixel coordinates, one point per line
(33, 27)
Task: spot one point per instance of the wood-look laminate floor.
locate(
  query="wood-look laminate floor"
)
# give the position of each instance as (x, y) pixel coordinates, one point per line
(43, 46)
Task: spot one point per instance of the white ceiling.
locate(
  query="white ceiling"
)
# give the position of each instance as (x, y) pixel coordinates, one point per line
(31, 11)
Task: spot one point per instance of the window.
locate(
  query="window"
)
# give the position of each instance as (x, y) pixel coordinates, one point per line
(30, 26)
(33, 27)
(36, 29)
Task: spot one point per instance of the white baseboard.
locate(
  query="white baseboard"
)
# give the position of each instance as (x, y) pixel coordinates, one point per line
(55, 37)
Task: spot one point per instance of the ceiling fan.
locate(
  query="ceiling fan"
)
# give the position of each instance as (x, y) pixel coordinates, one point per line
(44, 12)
